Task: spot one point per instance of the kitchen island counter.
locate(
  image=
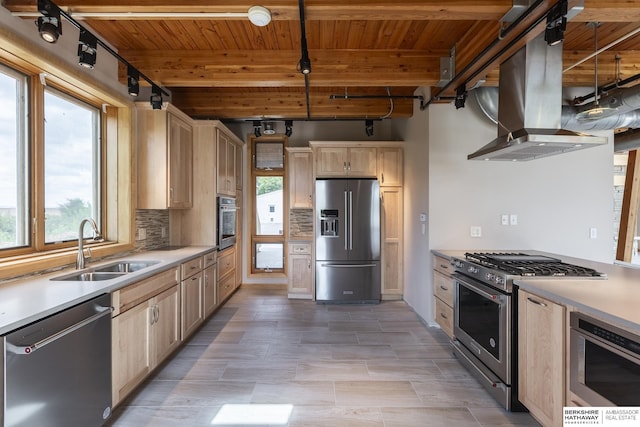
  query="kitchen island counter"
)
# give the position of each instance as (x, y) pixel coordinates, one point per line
(33, 298)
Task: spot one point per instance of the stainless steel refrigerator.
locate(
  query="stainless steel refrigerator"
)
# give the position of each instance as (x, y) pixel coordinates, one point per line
(347, 240)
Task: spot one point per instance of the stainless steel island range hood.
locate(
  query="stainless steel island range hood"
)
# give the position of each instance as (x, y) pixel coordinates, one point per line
(530, 108)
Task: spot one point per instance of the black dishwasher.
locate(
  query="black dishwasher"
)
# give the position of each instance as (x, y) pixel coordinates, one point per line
(57, 371)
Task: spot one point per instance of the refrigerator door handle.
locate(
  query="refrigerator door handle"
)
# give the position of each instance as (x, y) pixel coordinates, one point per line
(350, 220)
(331, 265)
(346, 215)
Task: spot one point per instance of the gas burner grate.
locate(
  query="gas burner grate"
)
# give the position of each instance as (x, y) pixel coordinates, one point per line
(530, 265)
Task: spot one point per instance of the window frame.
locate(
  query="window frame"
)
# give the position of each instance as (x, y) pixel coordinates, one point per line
(254, 238)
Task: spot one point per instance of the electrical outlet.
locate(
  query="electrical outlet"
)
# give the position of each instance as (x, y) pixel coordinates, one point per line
(475, 231)
(593, 233)
(142, 233)
(513, 219)
(504, 219)
(163, 232)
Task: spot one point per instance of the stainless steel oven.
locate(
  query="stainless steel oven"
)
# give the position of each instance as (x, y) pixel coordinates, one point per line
(482, 327)
(227, 211)
(604, 363)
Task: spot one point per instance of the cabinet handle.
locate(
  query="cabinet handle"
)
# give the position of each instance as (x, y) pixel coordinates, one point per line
(348, 165)
(444, 266)
(443, 316)
(444, 288)
(194, 278)
(344, 166)
(170, 194)
(193, 267)
(537, 302)
(382, 176)
(157, 313)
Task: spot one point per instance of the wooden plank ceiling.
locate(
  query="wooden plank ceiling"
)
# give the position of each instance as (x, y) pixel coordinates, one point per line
(230, 69)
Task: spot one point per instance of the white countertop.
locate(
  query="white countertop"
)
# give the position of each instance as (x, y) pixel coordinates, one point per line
(32, 298)
(615, 299)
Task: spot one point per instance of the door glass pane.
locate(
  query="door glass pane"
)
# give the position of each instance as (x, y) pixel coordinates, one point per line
(269, 256)
(269, 206)
(14, 202)
(71, 169)
(480, 318)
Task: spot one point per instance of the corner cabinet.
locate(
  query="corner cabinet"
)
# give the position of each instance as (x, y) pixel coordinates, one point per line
(541, 361)
(165, 145)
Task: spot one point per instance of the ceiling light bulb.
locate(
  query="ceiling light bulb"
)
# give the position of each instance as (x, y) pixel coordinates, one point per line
(268, 128)
(87, 49)
(156, 98)
(49, 24)
(133, 81)
(259, 16)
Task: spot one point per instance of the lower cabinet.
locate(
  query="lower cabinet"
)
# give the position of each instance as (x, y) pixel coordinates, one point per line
(191, 292)
(541, 358)
(226, 273)
(142, 337)
(392, 243)
(210, 297)
(443, 293)
(300, 274)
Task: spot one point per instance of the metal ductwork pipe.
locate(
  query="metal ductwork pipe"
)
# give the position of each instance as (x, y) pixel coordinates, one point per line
(627, 141)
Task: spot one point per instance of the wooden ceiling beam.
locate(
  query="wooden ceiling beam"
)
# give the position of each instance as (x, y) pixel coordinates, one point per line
(233, 104)
(288, 10)
(262, 68)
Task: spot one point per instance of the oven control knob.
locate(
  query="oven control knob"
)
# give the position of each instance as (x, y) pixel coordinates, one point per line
(473, 269)
(499, 280)
(491, 277)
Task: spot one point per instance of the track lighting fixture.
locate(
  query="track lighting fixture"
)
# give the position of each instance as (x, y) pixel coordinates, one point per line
(461, 96)
(556, 23)
(256, 129)
(288, 125)
(87, 49)
(133, 81)
(49, 24)
(269, 129)
(368, 127)
(156, 97)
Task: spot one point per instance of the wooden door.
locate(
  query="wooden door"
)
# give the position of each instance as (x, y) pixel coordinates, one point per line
(166, 329)
(192, 307)
(392, 241)
(390, 166)
(362, 162)
(300, 280)
(222, 183)
(210, 301)
(331, 161)
(180, 163)
(300, 180)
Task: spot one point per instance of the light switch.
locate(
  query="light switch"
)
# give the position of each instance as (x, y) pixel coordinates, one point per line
(513, 219)
(476, 231)
(593, 233)
(504, 219)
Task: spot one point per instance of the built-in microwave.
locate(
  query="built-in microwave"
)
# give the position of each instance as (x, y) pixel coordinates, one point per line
(227, 211)
(604, 363)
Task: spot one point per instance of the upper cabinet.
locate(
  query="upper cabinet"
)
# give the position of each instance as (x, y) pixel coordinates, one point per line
(300, 177)
(357, 162)
(390, 166)
(226, 182)
(165, 144)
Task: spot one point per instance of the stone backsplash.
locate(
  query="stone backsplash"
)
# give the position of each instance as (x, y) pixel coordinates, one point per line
(301, 223)
(155, 222)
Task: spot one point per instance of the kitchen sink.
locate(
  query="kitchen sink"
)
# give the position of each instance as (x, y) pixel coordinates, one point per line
(89, 276)
(105, 272)
(125, 266)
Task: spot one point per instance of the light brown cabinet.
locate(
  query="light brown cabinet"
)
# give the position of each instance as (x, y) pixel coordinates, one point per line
(359, 162)
(300, 265)
(145, 329)
(390, 166)
(210, 295)
(226, 171)
(226, 281)
(239, 235)
(165, 140)
(443, 292)
(392, 242)
(191, 292)
(541, 357)
(300, 177)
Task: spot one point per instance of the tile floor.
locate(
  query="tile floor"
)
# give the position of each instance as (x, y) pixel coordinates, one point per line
(337, 365)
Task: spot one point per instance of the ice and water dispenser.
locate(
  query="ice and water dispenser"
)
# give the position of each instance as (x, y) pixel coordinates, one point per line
(329, 222)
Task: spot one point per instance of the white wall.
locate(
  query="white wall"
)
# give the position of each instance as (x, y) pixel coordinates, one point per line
(417, 274)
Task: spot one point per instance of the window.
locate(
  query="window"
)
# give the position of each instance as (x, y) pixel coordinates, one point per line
(71, 166)
(14, 201)
(268, 178)
(51, 164)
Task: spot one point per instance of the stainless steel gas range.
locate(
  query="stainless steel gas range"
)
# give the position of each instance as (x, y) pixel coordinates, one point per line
(485, 314)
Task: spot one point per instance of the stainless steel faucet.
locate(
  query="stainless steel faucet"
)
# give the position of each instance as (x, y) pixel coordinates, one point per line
(97, 236)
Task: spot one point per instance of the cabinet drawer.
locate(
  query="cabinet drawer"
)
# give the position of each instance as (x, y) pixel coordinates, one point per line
(300, 248)
(190, 268)
(443, 265)
(133, 295)
(444, 317)
(209, 259)
(443, 287)
(226, 263)
(225, 287)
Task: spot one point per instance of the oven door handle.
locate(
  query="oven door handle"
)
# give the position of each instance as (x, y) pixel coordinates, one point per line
(488, 295)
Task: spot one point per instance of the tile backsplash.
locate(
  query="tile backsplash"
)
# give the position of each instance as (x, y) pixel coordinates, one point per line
(155, 224)
(301, 223)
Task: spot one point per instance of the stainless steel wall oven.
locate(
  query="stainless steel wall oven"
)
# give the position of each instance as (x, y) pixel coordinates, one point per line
(227, 211)
(604, 363)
